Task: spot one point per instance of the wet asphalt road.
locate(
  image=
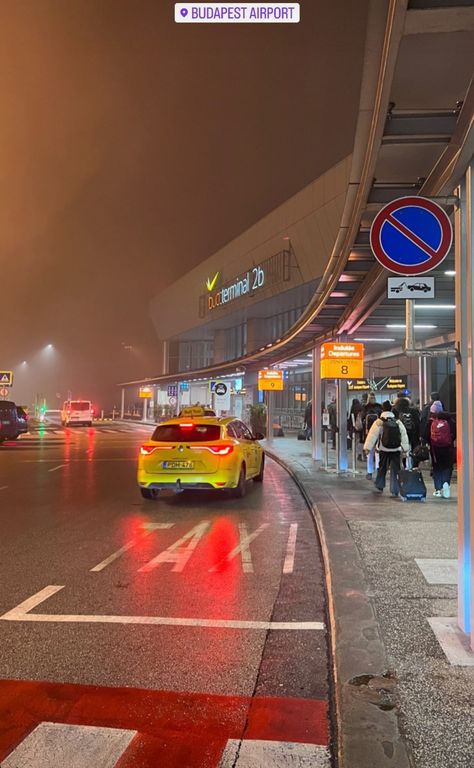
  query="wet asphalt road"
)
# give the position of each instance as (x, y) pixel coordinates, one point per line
(72, 517)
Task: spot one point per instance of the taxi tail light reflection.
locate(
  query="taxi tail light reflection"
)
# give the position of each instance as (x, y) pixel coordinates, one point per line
(145, 450)
(217, 450)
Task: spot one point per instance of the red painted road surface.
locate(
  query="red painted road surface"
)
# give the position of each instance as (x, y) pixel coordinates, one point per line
(179, 730)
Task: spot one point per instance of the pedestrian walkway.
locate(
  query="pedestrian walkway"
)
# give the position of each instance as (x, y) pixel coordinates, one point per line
(392, 571)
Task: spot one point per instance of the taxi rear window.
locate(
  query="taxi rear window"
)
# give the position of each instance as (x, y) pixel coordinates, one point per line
(198, 433)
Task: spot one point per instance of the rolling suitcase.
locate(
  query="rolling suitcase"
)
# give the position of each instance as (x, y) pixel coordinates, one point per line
(412, 485)
(302, 434)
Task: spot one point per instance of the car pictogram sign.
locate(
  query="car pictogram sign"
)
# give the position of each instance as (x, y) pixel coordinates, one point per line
(411, 236)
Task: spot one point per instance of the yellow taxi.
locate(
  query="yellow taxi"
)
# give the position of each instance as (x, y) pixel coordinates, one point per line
(200, 452)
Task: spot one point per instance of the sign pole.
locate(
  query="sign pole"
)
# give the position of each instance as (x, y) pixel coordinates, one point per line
(122, 404)
(464, 398)
(410, 323)
(343, 463)
(316, 426)
(270, 416)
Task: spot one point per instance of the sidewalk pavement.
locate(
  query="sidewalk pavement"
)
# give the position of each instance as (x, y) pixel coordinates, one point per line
(398, 701)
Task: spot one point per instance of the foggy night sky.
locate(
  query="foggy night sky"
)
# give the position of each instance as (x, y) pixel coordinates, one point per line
(132, 148)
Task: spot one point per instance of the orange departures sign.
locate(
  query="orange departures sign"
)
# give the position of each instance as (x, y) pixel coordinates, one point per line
(271, 380)
(342, 360)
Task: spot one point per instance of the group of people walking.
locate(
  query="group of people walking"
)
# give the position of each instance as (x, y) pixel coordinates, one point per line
(391, 433)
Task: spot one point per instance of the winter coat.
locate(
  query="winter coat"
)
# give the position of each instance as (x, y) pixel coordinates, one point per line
(374, 438)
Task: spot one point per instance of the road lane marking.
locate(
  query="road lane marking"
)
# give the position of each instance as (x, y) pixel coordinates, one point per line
(148, 528)
(178, 553)
(60, 466)
(255, 753)
(4, 488)
(289, 563)
(77, 746)
(243, 547)
(22, 613)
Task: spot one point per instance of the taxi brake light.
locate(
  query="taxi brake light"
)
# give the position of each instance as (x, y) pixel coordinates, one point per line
(145, 450)
(187, 425)
(217, 450)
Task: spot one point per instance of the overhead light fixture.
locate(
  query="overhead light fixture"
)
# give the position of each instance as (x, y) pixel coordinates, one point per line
(363, 338)
(435, 306)
(402, 326)
(450, 272)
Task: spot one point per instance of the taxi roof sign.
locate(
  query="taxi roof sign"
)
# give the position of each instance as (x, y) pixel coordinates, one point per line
(270, 379)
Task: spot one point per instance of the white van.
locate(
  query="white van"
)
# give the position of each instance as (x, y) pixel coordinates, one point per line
(77, 412)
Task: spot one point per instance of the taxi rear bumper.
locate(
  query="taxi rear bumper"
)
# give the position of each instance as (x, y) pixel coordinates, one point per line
(181, 481)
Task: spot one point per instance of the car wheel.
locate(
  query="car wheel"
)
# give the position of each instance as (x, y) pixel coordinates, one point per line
(259, 478)
(150, 493)
(241, 489)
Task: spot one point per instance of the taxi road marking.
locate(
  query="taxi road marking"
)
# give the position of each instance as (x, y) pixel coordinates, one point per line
(243, 547)
(22, 613)
(76, 746)
(177, 553)
(289, 563)
(254, 753)
(148, 528)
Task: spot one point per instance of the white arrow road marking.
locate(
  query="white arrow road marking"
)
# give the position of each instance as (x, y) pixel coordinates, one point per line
(243, 547)
(148, 528)
(51, 745)
(54, 469)
(178, 553)
(290, 549)
(22, 613)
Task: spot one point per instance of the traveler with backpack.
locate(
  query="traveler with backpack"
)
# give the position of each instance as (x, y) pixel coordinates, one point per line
(440, 435)
(410, 418)
(425, 412)
(389, 436)
(371, 411)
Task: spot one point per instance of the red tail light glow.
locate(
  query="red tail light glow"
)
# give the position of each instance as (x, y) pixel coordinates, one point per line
(187, 425)
(217, 450)
(146, 450)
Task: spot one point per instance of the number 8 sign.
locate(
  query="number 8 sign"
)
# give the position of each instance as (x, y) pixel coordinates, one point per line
(342, 360)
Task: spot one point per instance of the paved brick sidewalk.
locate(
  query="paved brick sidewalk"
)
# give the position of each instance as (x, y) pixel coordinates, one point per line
(378, 552)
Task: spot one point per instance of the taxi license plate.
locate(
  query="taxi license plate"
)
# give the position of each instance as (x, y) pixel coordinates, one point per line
(178, 465)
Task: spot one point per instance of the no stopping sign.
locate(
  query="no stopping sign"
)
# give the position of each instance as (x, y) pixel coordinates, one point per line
(411, 236)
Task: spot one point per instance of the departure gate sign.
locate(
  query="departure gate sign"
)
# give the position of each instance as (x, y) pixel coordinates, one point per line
(342, 360)
(270, 380)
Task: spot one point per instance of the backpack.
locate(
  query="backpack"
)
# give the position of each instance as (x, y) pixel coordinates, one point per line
(391, 437)
(407, 421)
(440, 433)
(358, 426)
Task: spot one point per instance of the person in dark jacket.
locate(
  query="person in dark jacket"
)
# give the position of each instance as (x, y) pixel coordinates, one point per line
(355, 426)
(440, 434)
(333, 428)
(308, 420)
(371, 411)
(410, 418)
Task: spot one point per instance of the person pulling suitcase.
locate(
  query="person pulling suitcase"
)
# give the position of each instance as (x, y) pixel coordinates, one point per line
(389, 436)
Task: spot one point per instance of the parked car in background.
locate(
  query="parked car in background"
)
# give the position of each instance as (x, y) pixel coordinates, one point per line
(22, 419)
(10, 426)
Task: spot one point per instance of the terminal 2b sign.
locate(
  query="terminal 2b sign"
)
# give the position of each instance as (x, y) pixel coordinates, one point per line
(244, 285)
(342, 360)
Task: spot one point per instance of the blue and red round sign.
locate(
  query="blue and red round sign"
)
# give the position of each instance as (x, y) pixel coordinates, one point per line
(411, 236)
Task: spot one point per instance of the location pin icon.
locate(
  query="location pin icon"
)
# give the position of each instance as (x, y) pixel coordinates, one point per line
(184, 12)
